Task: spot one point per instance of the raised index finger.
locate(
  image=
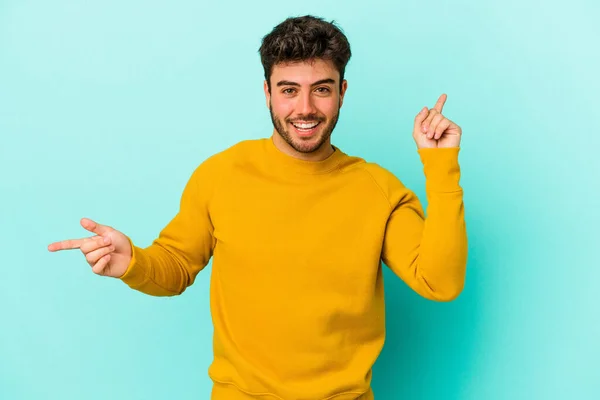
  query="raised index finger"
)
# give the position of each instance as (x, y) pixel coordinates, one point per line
(66, 245)
(440, 103)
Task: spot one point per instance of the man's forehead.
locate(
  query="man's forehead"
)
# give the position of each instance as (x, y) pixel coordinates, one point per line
(304, 71)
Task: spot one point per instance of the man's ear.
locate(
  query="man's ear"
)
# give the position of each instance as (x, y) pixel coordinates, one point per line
(343, 91)
(267, 94)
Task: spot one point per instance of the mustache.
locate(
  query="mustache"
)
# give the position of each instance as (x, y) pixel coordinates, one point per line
(308, 119)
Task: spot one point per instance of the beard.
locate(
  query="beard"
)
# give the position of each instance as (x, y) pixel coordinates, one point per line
(305, 146)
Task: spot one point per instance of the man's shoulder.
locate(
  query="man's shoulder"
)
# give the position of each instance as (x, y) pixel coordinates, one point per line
(243, 146)
(377, 177)
(231, 154)
(380, 175)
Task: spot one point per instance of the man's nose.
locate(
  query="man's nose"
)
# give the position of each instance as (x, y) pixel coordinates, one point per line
(306, 105)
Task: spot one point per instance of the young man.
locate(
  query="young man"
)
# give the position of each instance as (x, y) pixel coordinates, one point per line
(298, 231)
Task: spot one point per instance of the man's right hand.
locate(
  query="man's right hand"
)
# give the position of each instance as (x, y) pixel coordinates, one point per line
(108, 253)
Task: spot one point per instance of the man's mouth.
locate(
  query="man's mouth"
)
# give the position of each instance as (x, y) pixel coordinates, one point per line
(305, 128)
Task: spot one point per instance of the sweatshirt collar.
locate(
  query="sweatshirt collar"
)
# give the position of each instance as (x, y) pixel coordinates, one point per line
(293, 164)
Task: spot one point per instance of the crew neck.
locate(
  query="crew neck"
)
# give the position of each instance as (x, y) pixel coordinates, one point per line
(290, 163)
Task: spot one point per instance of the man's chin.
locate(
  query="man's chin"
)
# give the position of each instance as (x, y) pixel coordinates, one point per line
(307, 145)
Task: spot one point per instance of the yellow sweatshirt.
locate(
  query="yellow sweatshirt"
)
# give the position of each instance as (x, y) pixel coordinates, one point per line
(296, 289)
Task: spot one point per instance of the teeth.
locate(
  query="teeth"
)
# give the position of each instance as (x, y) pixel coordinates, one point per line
(306, 125)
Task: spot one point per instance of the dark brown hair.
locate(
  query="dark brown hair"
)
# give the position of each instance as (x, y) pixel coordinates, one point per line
(303, 39)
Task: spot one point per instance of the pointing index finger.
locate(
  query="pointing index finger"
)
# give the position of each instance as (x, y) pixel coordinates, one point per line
(66, 245)
(440, 103)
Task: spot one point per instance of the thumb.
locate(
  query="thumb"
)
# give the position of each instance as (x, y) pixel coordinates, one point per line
(95, 227)
(420, 118)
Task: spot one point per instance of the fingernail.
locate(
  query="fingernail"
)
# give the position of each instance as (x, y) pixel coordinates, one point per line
(424, 129)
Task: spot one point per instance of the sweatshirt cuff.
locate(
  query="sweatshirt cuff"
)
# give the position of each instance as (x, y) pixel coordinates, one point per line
(441, 168)
(135, 275)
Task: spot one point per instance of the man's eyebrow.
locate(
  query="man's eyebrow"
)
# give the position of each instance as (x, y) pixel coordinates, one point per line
(289, 83)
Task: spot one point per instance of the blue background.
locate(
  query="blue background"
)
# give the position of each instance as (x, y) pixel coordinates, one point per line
(106, 108)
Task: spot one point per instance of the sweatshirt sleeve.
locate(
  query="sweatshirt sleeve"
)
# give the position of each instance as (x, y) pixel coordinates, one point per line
(183, 248)
(429, 253)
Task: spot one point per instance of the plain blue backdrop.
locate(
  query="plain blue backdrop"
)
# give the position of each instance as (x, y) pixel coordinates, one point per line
(106, 107)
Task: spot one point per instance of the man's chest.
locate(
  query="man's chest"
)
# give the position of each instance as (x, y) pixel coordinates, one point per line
(307, 231)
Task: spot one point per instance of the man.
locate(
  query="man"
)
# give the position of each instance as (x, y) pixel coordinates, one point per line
(298, 231)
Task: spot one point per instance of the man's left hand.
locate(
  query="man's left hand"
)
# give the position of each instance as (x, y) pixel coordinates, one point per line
(433, 130)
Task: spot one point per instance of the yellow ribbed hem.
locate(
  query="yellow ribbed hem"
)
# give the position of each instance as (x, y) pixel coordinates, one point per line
(441, 168)
(230, 391)
(135, 274)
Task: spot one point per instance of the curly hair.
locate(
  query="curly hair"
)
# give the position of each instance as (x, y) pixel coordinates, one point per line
(303, 39)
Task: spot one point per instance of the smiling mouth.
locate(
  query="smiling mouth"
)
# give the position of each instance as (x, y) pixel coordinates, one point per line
(305, 128)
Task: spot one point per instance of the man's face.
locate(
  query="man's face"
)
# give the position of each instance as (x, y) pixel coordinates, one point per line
(304, 94)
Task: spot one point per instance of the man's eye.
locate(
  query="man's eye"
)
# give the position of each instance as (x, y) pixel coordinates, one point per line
(288, 91)
(323, 89)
